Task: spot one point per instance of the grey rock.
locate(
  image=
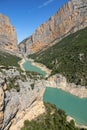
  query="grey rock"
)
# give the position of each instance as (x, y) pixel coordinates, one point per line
(11, 108)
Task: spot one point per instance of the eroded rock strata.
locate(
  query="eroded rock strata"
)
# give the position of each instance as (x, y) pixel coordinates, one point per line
(8, 37)
(70, 18)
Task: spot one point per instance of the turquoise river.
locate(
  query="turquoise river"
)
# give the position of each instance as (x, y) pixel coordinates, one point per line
(72, 105)
(29, 67)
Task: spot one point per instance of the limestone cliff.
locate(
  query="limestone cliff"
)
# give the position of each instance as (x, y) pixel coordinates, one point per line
(70, 18)
(1, 107)
(8, 37)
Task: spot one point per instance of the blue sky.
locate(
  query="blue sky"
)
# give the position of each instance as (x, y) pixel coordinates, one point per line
(27, 15)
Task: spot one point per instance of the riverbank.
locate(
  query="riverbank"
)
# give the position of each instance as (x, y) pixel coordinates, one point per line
(69, 118)
(41, 66)
(61, 83)
(38, 65)
(21, 64)
(79, 92)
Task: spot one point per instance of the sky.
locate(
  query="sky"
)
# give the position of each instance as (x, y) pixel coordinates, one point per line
(27, 15)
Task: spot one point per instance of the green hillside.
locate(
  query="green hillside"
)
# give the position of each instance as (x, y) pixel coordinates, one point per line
(68, 57)
(7, 59)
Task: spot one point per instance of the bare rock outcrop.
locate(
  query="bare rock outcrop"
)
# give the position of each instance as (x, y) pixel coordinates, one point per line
(8, 37)
(13, 103)
(69, 19)
(1, 119)
(1, 107)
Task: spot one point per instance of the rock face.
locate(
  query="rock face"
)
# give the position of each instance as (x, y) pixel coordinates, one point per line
(13, 103)
(1, 107)
(70, 18)
(8, 38)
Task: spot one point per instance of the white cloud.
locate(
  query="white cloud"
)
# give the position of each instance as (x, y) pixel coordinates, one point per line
(45, 3)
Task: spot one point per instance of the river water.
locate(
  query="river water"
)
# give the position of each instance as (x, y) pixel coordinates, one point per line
(29, 67)
(72, 105)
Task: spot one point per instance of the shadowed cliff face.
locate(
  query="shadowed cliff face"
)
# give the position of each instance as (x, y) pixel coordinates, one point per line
(70, 18)
(8, 38)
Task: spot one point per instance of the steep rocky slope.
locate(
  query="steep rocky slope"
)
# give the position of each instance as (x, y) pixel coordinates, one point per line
(16, 96)
(70, 18)
(8, 37)
(52, 119)
(1, 107)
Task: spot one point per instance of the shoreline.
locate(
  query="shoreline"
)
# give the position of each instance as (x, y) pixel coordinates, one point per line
(21, 64)
(69, 118)
(78, 91)
(41, 66)
(82, 92)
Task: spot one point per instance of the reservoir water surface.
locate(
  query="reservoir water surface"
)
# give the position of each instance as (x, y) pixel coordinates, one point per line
(72, 105)
(29, 67)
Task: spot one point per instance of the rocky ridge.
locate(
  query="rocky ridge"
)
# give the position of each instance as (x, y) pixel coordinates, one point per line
(70, 18)
(14, 102)
(8, 37)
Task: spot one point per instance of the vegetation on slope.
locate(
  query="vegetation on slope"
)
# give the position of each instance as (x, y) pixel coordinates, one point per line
(68, 57)
(34, 75)
(9, 63)
(53, 119)
(7, 59)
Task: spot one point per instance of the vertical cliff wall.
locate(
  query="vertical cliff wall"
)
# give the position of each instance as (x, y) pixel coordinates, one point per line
(8, 37)
(70, 18)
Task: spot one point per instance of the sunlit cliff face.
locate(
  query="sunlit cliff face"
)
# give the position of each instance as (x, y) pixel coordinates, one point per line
(8, 37)
(70, 18)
